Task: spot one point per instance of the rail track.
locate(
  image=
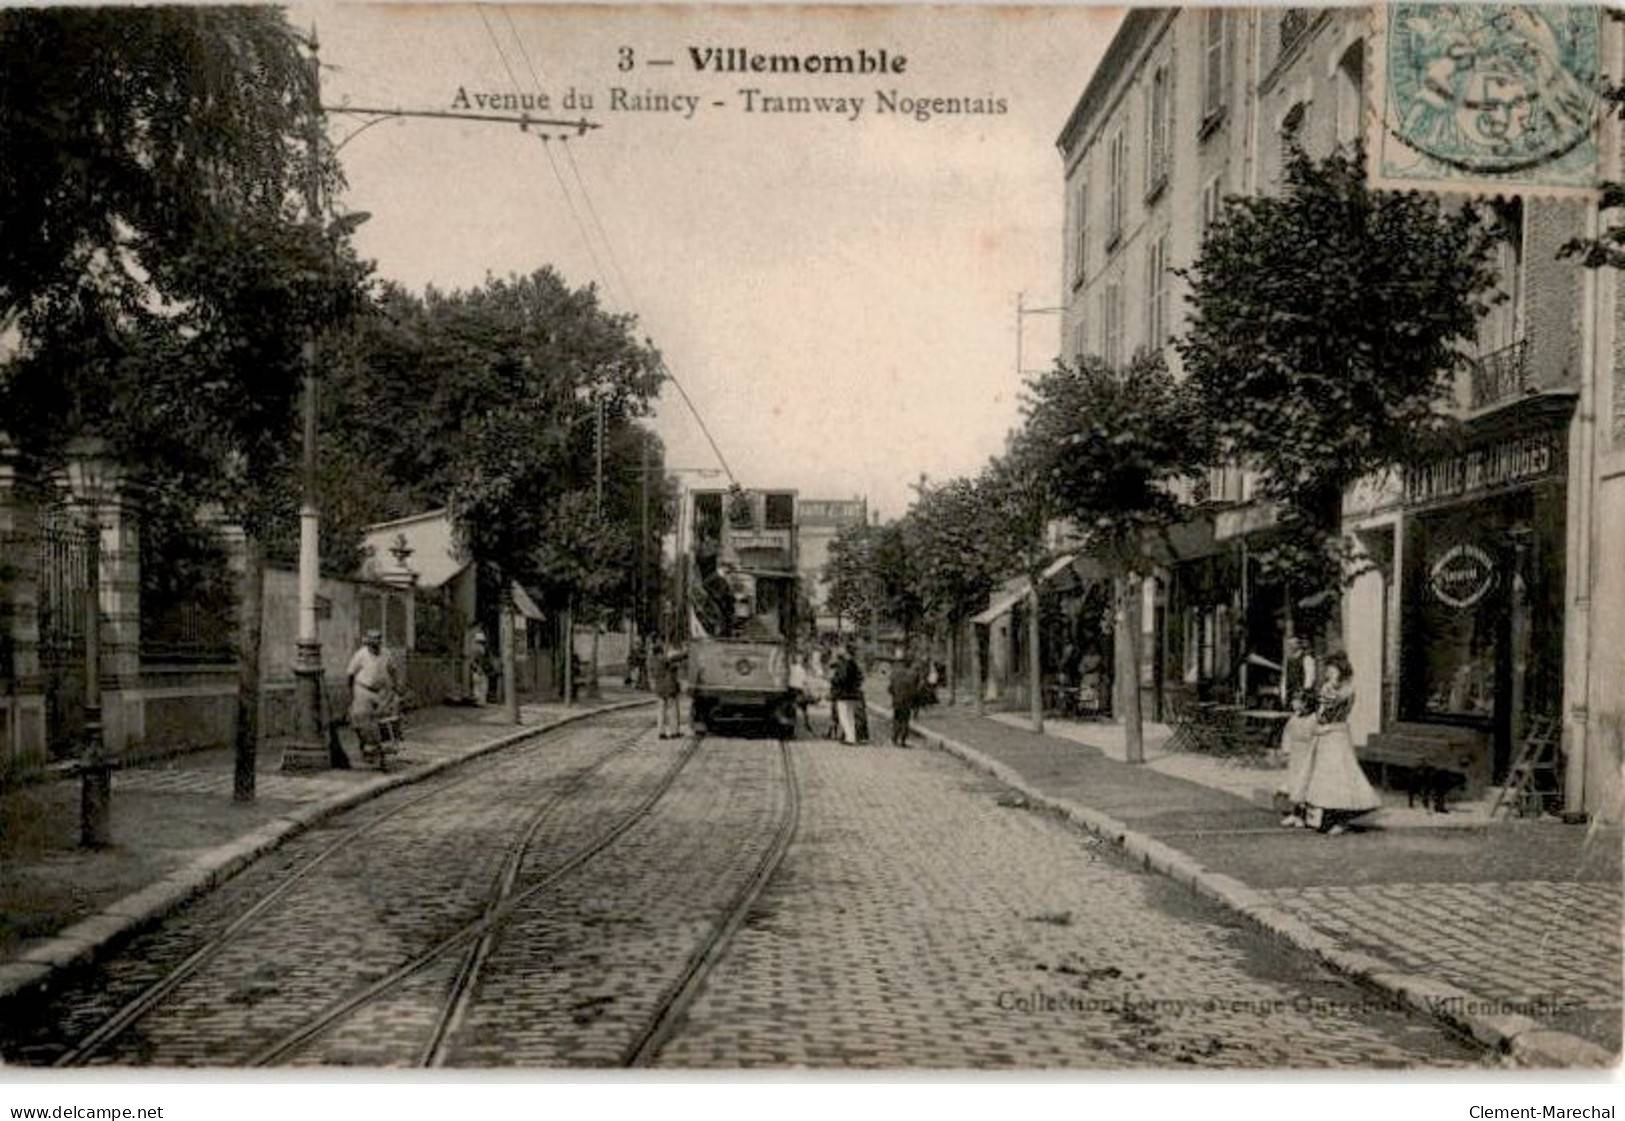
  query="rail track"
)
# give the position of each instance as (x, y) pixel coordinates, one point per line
(675, 1003)
(478, 939)
(480, 933)
(154, 996)
(475, 940)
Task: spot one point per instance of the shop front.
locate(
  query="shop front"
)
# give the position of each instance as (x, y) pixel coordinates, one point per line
(1482, 591)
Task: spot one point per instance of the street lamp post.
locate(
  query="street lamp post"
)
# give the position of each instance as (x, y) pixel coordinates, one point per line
(308, 751)
(95, 771)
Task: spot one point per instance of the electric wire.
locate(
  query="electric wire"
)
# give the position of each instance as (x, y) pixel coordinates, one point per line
(627, 293)
(512, 77)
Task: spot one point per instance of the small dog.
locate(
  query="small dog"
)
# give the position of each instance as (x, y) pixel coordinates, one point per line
(1431, 784)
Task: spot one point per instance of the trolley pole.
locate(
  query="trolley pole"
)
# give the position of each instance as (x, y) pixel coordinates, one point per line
(598, 512)
(642, 592)
(308, 751)
(96, 771)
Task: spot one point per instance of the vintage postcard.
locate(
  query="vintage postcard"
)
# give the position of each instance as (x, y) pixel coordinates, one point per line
(545, 537)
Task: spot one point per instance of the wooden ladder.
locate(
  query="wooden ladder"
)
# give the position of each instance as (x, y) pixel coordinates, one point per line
(1533, 777)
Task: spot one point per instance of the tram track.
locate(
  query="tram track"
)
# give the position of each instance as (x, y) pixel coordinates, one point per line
(669, 1013)
(154, 996)
(480, 933)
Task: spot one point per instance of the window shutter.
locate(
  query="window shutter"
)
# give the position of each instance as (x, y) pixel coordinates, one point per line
(1213, 61)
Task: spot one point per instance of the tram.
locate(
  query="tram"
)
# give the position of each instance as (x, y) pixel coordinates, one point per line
(738, 570)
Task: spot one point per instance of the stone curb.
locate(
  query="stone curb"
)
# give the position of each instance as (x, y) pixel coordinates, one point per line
(1525, 1043)
(85, 941)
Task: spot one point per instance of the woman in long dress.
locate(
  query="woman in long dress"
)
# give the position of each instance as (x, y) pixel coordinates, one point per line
(1332, 787)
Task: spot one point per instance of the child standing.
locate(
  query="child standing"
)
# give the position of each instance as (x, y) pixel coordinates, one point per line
(1296, 739)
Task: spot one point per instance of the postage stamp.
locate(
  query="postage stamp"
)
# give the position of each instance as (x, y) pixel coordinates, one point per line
(1486, 97)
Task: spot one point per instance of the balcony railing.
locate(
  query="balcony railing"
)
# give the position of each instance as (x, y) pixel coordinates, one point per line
(1501, 375)
(1294, 22)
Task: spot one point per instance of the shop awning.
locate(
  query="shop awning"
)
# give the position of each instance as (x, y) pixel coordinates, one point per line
(524, 604)
(1064, 572)
(1002, 603)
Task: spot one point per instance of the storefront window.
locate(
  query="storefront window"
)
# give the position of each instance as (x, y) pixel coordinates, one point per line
(1483, 598)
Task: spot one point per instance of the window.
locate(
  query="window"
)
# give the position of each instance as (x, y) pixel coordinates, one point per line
(780, 511)
(1156, 293)
(1111, 314)
(1213, 68)
(1211, 205)
(1351, 93)
(1080, 232)
(1292, 131)
(1080, 340)
(1159, 122)
(1117, 184)
(1502, 326)
(1294, 22)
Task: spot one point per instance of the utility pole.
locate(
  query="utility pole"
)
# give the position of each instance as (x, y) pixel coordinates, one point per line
(308, 751)
(598, 513)
(642, 585)
(95, 773)
(505, 635)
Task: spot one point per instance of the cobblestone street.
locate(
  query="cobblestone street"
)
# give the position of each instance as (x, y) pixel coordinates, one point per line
(921, 916)
(924, 917)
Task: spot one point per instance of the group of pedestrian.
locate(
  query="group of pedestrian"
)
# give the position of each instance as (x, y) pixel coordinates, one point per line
(816, 676)
(1324, 787)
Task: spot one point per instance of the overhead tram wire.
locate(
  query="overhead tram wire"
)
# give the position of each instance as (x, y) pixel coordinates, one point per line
(575, 215)
(603, 235)
(586, 238)
(523, 53)
(480, 10)
(626, 285)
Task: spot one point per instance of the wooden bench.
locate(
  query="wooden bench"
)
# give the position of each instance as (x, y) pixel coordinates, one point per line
(1433, 765)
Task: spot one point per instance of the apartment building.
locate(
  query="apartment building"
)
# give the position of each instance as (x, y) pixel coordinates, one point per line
(1475, 623)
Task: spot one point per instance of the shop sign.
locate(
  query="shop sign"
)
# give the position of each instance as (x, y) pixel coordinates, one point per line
(1521, 459)
(775, 539)
(1463, 576)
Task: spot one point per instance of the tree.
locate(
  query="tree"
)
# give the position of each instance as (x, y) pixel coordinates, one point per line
(1327, 325)
(849, 574)
(159, 261)
(871, 577)
(486, 400)
(1113, 447)
(956, 563)
(489, 401)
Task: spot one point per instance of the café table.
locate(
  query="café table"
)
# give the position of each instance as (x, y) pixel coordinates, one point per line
(1260, 728)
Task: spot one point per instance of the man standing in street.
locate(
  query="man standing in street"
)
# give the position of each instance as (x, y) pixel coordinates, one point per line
(373, 689)
(666, 669)
(905, 697)
(846, 689)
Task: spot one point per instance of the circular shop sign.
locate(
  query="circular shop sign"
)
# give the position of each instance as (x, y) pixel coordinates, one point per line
(743, 665)
(1493, 88)
(1463, 576)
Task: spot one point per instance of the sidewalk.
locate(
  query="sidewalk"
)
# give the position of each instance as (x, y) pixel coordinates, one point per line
(1510, 930)
(177, 832)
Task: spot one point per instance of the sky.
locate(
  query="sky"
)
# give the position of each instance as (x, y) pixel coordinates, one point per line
(836, 290)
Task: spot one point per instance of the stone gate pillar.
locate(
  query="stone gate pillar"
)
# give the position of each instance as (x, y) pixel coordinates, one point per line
(22, 691)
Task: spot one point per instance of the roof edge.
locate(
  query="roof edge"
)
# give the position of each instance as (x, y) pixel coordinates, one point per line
(427, 515)
(1132, 32)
